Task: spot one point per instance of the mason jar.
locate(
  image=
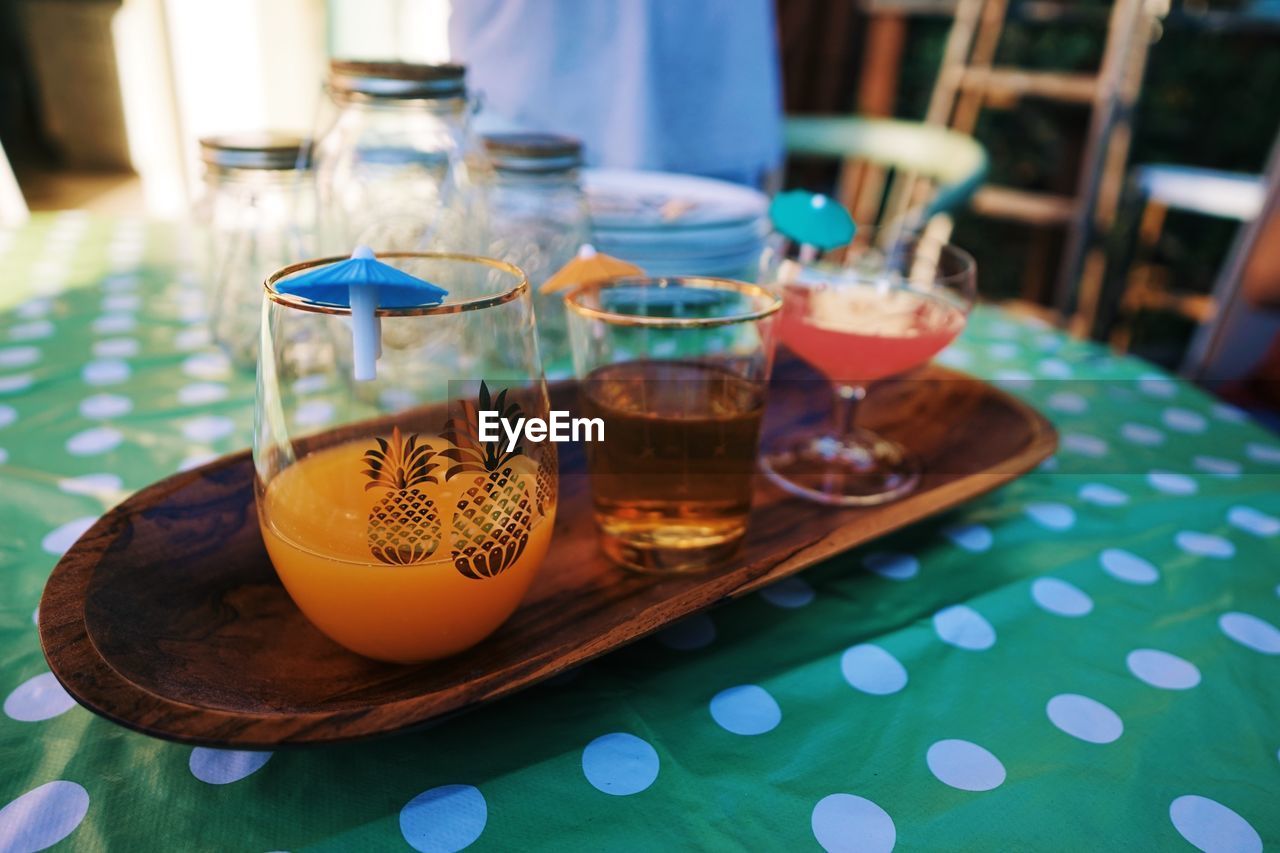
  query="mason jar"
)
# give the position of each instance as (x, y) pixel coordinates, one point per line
(257, 214)
(538, 219)
(390, 169)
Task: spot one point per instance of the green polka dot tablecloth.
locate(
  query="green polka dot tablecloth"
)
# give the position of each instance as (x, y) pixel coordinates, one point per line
(1086, 659)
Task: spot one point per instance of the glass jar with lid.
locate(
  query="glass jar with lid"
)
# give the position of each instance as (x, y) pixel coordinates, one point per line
(390, 169)
(538, 219)
(257, 213)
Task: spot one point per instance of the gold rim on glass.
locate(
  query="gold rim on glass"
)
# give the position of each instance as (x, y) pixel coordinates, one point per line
(574, 300)
(289, 300)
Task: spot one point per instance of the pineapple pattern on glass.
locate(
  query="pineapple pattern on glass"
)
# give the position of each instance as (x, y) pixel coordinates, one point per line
(548, 471)
(493, 515)
(404, 526)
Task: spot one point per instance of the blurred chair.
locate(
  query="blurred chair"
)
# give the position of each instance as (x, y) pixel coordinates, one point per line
(900, 174)
(1159, 189)
(13, 207)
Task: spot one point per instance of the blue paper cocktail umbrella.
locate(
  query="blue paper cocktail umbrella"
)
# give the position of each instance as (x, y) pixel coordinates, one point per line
(813, 220)
(364, 284)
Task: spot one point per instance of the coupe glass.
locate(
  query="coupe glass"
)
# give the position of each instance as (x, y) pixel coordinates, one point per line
(885, 310)
(394, 525)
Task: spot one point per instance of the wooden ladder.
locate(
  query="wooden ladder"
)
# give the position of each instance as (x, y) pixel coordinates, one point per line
(969, 81)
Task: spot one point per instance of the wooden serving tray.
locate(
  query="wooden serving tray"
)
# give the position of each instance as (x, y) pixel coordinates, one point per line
(167, 617)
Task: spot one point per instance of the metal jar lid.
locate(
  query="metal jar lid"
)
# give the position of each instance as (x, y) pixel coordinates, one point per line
(397, 80)
(252, 151)
(533, 152)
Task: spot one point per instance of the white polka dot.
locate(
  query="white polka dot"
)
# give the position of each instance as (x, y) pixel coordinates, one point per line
(1267, 453)
(192, 337)
(191, 311)
(314, 413)
(1253, 521)
(310, 384)
(1050, 464)
(1058, 596)
(208, 428)
(91, 484)
(1212, 827)
(789, 593)
(38, 698)
(963, 627)
(121, 302)
(114, 324)
(1172, 483)
(954, 357)
(1003, 351)
(974, 538)
(19, 356)
(16, 382)
(843, 823)
(1252, 632)
(965, 765)
(444, 819)
(1218, 467)
(620, 764)
(33, 308)
(1184, 420)
(873, 670)
(105, 406)
(61, 538)
(693, 632)
(115, 348)
(93, 441)
(1205, 544)
(33, 331)
(4, 456)
(120, 283)
(1055, 368)
(1163, 670)
(1128, 567)
(1085, 445)
(8, 414)
(1230, 414)
(201, 393)
(207, 365)
(892, 565)
(43, 816)
(1084, 718)
(1068, 402)
(747, 709)
(105, 372)
(1100, 494)
(195, 460)
(224, 766)
(1013, 380)
(1142, 434)
(1052, 516)
(1157, 386)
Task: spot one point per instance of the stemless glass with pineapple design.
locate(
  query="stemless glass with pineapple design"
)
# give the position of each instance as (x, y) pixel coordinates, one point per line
(398, 526)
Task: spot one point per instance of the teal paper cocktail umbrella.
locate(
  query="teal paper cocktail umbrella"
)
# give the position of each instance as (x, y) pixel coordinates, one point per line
(813, 220)
(364, 284)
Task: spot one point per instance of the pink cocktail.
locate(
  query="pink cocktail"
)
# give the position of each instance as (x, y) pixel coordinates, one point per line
(885, 313)
(863, 332)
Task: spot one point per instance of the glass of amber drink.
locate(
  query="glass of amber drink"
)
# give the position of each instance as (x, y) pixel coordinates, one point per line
(394, 524)
(676, 369)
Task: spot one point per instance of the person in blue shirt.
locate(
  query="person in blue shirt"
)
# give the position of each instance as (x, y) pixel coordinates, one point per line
(674, 85)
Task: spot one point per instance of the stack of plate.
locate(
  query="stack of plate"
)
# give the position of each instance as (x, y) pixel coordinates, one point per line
(670, 224)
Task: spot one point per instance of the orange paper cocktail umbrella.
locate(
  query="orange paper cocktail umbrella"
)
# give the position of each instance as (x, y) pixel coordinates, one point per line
(587, 267)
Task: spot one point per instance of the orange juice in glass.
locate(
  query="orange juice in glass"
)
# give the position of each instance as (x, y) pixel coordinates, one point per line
(399, 531)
